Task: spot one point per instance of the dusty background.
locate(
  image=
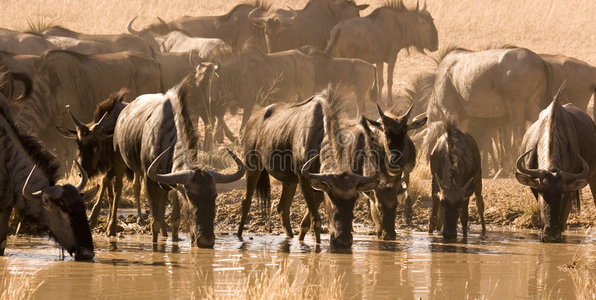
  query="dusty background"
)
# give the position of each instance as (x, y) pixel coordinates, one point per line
(558, 26)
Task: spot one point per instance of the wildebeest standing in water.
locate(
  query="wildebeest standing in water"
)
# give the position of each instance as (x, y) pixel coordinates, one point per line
(96, 151)
(559, 160)
(159, 123)
(354, 76)
(291, 29)
(28, 183)
(378, 37)
(456, 175)
(253, 76)
(283, 140)
(81, 81)
(579, 78)
(233, 28)
(395, 152)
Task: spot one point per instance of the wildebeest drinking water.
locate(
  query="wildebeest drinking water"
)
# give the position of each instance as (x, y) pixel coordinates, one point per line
(283, 140)
(158, 141)
(559, 160)
(28, 183)
(456, 175)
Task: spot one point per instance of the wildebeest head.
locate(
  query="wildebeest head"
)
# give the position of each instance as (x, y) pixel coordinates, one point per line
(64, 209)
(198, 186)
(426, 30)
(552, 187)
(153, 34)
(453, 198)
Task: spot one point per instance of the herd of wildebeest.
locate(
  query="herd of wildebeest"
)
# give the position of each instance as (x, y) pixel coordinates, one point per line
(297, 67)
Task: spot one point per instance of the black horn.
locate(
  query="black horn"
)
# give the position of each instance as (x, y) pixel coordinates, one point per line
(221, 178)
(76, 121)
(84, 178)
(534, 173)
(181, 177)
(130, 29)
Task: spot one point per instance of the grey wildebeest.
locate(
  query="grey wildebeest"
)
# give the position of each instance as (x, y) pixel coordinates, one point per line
(157, 140)
(81, 81)
(94, 43)
(558, 161)
(290, 29)
(507, 85)
(28, 184)
(456, 175)
(289, 142)
(396, 155)
(253, 76)
(579, 78)
(233, 28)
(23, 43)
(96, 152)
(355, 76)
(378, 37)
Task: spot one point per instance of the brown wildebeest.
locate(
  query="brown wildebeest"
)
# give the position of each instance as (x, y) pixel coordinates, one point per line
(509, 85)
(396, 155)
(157, 140)
(559, 160)
(455, 167)
(81, 81)
(378, 37)
(253, 76)
(355, 76)
(291, 29)
(233, 28)
(579, 78)
(23, 43)
(98, 158)
(28, 184)
(289, 142)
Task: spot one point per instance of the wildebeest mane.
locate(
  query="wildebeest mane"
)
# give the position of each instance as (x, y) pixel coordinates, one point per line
(182, 115)
(453, 161)
(334, 120)
(107, 105)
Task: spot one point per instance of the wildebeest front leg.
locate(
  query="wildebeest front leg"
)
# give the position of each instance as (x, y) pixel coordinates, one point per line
(112, 225)
(4, 216)
(432, 224)
(106, 186)
(157, 197)
(463, 216)
(283, 208)
(175, 216)
(313, 201)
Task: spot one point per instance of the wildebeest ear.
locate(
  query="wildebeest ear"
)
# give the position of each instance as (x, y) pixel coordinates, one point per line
(527, 180)
(575, 185)
(373, 123)
(418, 122)
(319, 184)
(90, 194)
(67, 133)
(367, 186)
(362, 6)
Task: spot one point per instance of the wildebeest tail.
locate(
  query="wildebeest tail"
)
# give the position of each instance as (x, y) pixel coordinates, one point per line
(264, 191)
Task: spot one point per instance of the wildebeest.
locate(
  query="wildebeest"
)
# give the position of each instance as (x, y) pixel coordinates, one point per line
(355, 76)
(157, 140)
(23, 43)
(558, 161)
(378, 37)
(579, 78)
(28, 183)
(253, 76)
(508, 85)
(396, 155)
(81, 81)
(98, 158)
(290, 29)
(67, 39)
(233, 28)
(292, 141)
(178, 41)
(456, 175)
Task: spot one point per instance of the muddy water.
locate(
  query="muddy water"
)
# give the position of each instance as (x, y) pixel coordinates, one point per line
(503, 265)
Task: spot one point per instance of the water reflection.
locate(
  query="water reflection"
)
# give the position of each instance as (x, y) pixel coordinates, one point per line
(502, 264)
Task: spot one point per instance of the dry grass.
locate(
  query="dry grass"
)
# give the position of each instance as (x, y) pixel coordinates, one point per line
(286, 279)
(583, 276)
(17, 286)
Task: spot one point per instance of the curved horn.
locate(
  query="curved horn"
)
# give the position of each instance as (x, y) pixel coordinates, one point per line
(171, 178)
(381, 113)
(254, 18)
(535, 173)
(305, 168)
(361, 179)
(190, 59)
(76, 121)
(130, 29)
(84, 178)
(581, 175)
(27, 193)
(406, 116)
(99, 123)
(221, 178)
(162, 21)
(424, 6)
